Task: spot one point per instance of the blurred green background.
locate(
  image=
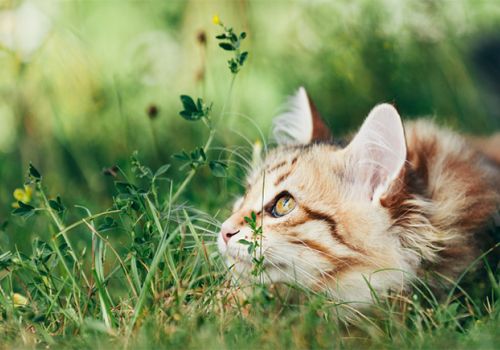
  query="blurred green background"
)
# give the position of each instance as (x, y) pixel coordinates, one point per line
(77, 79)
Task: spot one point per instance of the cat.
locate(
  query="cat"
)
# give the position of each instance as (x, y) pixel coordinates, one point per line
(397, 203)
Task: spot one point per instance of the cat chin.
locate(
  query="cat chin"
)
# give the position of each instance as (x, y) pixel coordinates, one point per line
(242, 274)
(274, 273)
(241, 267)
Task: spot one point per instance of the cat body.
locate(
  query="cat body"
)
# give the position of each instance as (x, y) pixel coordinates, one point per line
(397, 203)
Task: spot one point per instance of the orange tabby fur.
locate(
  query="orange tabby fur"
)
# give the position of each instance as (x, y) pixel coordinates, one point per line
(429, 217)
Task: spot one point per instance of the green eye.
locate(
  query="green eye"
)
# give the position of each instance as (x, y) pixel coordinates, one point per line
(284, 205)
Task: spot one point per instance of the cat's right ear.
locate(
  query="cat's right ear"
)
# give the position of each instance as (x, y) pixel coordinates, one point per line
(301, 123)
(377, 154)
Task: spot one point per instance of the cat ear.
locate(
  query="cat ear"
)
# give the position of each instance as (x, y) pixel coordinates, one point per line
(301, 124)
(377, 153)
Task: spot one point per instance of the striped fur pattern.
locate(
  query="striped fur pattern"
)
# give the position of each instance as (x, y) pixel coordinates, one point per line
(405, 219)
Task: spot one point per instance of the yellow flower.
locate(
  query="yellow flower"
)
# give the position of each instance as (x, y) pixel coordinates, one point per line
(19, 300)
(256, 153)
(22, 195)
(216, 20)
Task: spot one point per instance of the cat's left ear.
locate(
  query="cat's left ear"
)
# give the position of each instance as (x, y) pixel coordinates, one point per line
(377, 154)
(301, 124)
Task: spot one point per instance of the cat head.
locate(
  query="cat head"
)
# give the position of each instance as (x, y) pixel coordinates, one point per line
(321, 207)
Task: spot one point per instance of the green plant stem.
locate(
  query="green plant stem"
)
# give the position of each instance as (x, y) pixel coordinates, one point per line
(207, 145)
(56, 219)
(120, 260)
(61, 227)
(84, 221)
(192, 172)
(162, 246)
(68, 271)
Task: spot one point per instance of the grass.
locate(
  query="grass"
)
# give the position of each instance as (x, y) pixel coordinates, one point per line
(145, 272)
(164, 285)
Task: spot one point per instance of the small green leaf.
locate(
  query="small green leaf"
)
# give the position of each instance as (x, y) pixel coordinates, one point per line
(42, 251)
(195, 155)
(227, 46)
(24, 210)
(191, 111)
(108, 224)
(244, 242)
(162, 170)
(181, 156)
(34, 173)
(56, 205)
(191, 116)
(218, 168)
(202, 154)
(233, 66)
(63, 247)
(125, 188)
(199, 104)
(243, 35)
(243, 57)
(188, 103)
(251, 249)
(258, 261)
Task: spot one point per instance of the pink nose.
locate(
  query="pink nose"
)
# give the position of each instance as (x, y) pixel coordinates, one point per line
(227, 231)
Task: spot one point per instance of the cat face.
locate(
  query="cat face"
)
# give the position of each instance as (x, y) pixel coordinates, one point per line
(319, 206)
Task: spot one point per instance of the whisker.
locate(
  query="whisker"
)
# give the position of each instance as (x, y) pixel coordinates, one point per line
(294, 266)
(256, 126)
(305, 245)
(365, 258)
(196, 246)
(236, 153)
